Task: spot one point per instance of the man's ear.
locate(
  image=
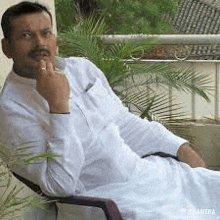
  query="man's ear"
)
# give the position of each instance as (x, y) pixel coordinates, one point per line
(6, 48)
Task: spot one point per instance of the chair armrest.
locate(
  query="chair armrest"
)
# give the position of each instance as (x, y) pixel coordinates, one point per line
(108, 206)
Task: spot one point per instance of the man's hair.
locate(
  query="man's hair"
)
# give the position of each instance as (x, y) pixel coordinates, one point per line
(18, 10)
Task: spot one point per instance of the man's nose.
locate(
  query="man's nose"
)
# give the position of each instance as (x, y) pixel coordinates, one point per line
(39, 40)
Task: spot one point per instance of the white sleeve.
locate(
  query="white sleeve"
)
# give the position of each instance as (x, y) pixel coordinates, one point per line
(56, 176)
(140, 135)
(146, 137)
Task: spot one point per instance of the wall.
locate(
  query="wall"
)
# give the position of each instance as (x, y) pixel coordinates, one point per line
(5, 63)
(193, 105)
(207, 142)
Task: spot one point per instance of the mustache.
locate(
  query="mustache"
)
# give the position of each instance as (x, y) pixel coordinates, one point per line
(36, 51)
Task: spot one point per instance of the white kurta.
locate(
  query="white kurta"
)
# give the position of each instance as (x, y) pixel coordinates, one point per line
(100, 144)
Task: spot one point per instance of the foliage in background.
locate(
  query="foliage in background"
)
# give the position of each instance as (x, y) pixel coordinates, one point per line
(65, 14)
(83, 39)
(135, 16)
(142, 88)
(121, 16)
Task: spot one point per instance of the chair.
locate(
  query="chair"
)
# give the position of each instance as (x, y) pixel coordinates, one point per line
(108, 206)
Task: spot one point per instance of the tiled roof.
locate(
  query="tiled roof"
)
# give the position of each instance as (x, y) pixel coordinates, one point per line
(199, 17)
(193, 17)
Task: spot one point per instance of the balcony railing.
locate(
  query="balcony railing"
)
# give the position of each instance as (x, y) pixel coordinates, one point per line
(201, 52)
(171, 39)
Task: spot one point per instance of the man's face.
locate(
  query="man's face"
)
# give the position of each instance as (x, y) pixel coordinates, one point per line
(31, 41)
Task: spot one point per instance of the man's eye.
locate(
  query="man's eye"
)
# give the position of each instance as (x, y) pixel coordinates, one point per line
(47, 33)
(27, 35)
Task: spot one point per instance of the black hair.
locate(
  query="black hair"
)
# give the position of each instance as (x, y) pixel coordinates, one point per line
(18, 10)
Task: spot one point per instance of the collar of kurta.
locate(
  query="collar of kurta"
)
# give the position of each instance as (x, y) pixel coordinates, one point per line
(21, 79)
(60, 62)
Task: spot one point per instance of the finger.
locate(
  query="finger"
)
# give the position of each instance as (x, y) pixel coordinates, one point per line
(50, 68)
(41, 69)
(42, 66)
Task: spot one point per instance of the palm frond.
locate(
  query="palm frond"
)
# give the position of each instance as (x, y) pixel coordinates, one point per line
(82, 39)
(143, 88)
(12, 203)
(145, 103)
(186, 80)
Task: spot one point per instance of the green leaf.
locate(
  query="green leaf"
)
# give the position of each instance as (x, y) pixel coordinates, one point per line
(39, 157)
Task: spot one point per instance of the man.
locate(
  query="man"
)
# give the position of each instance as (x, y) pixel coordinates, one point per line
(65, 106)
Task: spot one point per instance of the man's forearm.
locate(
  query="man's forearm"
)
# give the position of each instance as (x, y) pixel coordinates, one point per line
(188, 155)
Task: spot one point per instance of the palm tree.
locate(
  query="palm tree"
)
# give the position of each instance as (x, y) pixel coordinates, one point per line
(140, 87)
(144, 89)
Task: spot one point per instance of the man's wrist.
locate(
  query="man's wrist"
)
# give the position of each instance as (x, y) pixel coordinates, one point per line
(54, 112)
(188, 155)
(62, 108)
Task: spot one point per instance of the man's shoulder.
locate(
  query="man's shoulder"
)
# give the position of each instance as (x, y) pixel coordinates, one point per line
(15, 91)
(7, 95)
(78, 61)
(6, 87)
(84, 66)
(82, 69)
